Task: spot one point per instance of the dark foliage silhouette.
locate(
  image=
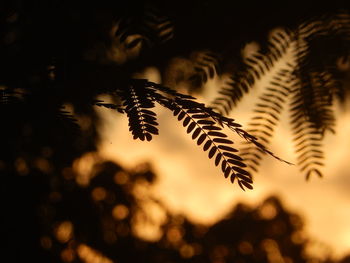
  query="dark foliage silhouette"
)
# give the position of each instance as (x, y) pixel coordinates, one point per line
(311, 78)
(106, 66)
(98, 223)
(57, 57)
(122, 41)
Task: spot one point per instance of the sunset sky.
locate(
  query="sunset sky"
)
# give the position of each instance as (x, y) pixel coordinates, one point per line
(190, 183)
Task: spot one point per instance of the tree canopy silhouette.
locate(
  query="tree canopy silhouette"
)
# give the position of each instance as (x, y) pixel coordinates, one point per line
(99, 223)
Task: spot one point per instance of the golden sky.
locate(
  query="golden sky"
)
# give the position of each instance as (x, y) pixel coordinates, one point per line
(190, 183)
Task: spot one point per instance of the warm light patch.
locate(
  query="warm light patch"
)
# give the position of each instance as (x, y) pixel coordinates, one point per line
(43, 165)
(141, 189)
(343, 64)
(21, 166)
(174, 235)
(89, 255)
(250, 48)
(99, 193)
(121, 178)
(67, 255)
(298, 237)
(84, 122)
(120, 212)
(267, 211)
(150, 73)
(64, 231)
(272, 250)
(187, 251)
(83, 167)
(195, 187)
(147, 223)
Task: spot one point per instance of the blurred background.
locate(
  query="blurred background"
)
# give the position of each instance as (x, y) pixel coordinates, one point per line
(76, 187)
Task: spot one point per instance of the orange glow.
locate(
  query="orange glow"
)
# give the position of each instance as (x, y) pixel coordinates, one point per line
(146, 224)
(21, 166)
(120, 212)
(272, 250)
(67, 255)
(121, 178)
(43, 165)
(298, 237)
(89, 255)
(141, 189)
(267, 211)
(174, 235)
(98, 193)
(83, 167)
(84, 122)
(189, 183)
(187, 251)
(64, 231)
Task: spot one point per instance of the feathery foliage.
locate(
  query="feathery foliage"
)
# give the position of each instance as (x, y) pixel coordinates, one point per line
(205, 125)
(107, 55)
(309, 82)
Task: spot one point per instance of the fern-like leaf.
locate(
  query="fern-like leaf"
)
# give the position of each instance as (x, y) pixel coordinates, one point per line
(137, 102)
(158, 26)
(206, 66)
(254, 67)
(228, 122)
(215, 141)
(307, 137)
(267, 115)
(205, 125)
(112, 106)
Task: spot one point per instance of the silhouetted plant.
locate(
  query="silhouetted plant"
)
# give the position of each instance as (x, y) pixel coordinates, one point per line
(109, 64)
(310, 82)
(56, 53)
(122, 41)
